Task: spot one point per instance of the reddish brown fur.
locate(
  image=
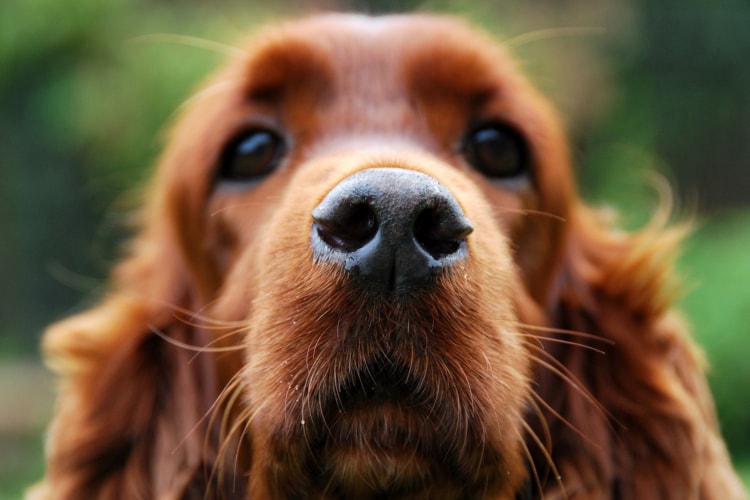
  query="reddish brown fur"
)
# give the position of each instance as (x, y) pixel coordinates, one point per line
(547, 364)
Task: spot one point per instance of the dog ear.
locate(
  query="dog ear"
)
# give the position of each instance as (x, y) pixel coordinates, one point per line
(132, 418)
(627, 399)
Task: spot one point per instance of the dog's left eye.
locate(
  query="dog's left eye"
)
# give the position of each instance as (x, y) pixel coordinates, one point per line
(497, 151)
(251, 155)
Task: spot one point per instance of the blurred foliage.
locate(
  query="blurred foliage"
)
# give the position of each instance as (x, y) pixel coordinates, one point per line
(23, 463)
(87, 88)
(718, 269)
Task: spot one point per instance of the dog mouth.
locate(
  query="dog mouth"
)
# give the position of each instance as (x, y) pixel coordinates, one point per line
(380, 382)
(392, 430)
(379, 430)
(394, 406)
(384, 403)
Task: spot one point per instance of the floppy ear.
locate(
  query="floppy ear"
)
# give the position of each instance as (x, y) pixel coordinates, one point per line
(132, 417)
(629, 406)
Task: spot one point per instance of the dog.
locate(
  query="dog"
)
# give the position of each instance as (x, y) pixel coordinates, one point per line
(363, 270)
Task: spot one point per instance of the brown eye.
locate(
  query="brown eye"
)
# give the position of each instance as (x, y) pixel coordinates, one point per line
(251, 155)
(497, 151)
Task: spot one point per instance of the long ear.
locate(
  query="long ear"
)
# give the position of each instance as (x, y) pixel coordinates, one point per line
(627, 402)
(135, 412)
(131, 419)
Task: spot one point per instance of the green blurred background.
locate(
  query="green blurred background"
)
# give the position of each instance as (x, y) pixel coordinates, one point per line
(86, 92)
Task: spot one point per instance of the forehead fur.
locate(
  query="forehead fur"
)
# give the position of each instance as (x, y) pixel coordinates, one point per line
(335, 52)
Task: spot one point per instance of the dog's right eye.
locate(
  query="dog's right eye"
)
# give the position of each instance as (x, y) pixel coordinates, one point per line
(251, 155)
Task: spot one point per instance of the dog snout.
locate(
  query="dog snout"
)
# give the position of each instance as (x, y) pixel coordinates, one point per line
(392, 229)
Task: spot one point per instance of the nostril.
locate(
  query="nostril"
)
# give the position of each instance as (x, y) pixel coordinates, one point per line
(441, 230)
(348, 227)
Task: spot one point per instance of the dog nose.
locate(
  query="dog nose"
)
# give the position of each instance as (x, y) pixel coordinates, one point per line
(393, 229)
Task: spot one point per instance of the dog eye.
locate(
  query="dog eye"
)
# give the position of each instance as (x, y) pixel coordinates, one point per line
(497, 151)
(252, 154)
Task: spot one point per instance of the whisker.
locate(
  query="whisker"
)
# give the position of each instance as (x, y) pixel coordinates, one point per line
(555, 366)
(530, 457)
(562, 341)
(222, 338)
(188, 41)
(553, 467)
(498, 211)
(235, 385)
(564, 331)
(539, 399)
(246, 417)
(552, 33)
(192, 430)
(534, 402)
(189, 347)
(241, 425)
(228, 397)
(217, 324)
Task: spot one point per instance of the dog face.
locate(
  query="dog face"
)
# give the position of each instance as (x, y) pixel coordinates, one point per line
(362, 183)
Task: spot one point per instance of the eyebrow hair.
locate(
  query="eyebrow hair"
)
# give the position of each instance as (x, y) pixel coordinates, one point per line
(288, 63)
